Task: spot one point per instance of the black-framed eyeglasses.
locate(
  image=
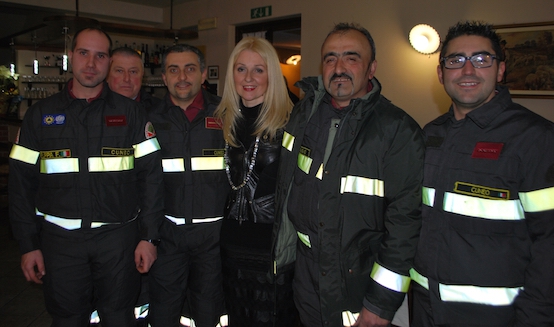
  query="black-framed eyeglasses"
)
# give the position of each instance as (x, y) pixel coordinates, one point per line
(480, 60)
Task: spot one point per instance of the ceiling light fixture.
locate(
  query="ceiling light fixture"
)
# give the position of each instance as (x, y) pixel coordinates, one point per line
(424, 39)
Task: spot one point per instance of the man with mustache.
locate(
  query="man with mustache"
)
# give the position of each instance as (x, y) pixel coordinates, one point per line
(349, 190)
(486, 252)
(196, 187)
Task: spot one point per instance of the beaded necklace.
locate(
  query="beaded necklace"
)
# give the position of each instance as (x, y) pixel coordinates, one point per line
(250, 166)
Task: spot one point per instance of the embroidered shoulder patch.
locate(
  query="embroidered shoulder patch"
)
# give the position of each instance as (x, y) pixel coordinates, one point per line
(481, 191)
(149, 131)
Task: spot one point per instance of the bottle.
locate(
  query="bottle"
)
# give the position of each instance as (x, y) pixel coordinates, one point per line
(146, 56)
(142, 55)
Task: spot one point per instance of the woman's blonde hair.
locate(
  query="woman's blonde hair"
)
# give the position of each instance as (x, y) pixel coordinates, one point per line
(277, 105)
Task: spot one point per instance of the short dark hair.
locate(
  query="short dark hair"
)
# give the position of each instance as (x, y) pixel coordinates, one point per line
(126, 51)
(178, 48)
(342, 28)
(473, 28)
(91, 28)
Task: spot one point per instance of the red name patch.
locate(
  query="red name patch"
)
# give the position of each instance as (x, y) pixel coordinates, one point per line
(487, 150)
(213, 123)
(116, 121)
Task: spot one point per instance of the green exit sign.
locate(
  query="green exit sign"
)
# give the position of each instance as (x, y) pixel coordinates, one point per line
(260, 12)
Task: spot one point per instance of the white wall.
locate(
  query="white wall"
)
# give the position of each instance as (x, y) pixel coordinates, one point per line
(409, 79)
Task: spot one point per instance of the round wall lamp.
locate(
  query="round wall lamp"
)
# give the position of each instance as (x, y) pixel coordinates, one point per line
(293, 60)
(425, 39)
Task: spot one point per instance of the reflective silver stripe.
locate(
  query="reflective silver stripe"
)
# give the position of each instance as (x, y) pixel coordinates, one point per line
(146, 147)
(539, 200)
(470, 293)
(480, 295)
(483, 208)
(362, 185)
(105, 164)
(304, 238)
(59, 166)
(173, 165)
(349, 318)
(288, 141)
(319, 173)
(24, 154)
(68, 223)
(182, 221)
(419, 278)
(207, 163)
(187, 321)
(304, 163)
(390, 279)
(428, 196)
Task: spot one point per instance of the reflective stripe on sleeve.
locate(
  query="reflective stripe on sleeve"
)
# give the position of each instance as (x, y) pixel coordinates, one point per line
(483, 208)
(428, 196)
(146, 147)
(362, 185)
(304, 163)
(471, 294)
(288, 141)
(304, 238)
(173, 165)
(539, 200)
(59, 166)
(207, 163)
(24, 154)
(106, 164)
(390, 279)
(482, 295)
(349, 318)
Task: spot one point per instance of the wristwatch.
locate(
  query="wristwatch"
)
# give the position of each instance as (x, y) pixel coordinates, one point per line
(154, 242)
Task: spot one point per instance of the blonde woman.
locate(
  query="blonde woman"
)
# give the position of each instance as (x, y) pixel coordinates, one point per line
(253, 111)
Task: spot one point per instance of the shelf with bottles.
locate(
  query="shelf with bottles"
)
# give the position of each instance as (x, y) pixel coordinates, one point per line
(37, 86)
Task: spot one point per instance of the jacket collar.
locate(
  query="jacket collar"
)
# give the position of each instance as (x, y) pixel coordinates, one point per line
(485, 114)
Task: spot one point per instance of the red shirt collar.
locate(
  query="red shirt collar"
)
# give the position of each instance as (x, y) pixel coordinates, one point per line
(70, 88)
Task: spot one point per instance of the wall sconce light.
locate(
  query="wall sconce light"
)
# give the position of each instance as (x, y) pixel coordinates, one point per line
(424, 39)
(294, 60)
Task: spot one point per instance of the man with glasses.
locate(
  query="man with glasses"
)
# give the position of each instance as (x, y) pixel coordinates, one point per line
(486, 249)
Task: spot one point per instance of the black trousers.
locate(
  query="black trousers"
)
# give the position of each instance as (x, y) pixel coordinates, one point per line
(90, 269)
(188, 266)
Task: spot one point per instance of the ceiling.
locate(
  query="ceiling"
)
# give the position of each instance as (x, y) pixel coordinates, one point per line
(27, 26)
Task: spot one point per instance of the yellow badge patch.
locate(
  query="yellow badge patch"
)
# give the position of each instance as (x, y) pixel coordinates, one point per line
(481, 191)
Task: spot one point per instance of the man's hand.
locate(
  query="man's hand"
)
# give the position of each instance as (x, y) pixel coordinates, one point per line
(369, 319)
(145, 255)
(32, 264)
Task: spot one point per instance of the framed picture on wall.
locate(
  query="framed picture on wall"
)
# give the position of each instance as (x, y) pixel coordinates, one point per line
(213, 72)
(529, 52)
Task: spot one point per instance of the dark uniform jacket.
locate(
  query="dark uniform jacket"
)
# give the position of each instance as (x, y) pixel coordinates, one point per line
(366, 241)
(84, 164)
(486, 251)
(192, 157)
